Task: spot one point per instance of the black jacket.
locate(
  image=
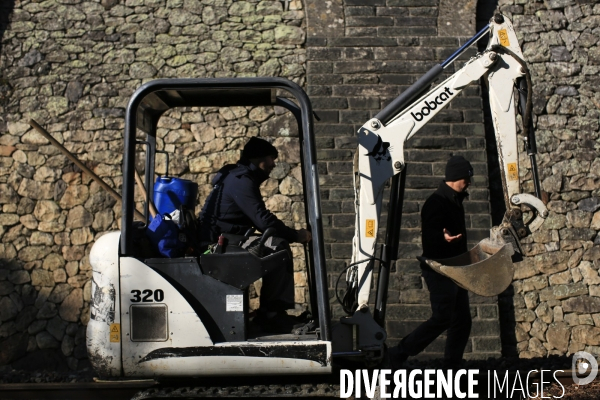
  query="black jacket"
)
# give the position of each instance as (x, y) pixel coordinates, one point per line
(443, 209)
(236, 205)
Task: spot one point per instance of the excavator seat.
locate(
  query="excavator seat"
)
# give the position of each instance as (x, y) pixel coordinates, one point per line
(239, 268)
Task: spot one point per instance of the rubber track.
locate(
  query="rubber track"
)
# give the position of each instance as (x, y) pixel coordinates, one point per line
(288, 390)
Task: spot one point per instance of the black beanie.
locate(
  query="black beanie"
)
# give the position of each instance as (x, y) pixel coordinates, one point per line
(258, 148)
(458, 168)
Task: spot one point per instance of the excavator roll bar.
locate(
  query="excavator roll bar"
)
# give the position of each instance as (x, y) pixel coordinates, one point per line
(154, 98)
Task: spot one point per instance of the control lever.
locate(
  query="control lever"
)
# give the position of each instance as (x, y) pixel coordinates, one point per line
(258, 249)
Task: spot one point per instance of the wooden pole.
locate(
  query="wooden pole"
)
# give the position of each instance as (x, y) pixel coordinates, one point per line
(138, 180)
(81, 165)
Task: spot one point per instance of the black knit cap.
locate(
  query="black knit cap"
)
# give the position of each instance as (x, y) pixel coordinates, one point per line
(258, 148)
(458, 168)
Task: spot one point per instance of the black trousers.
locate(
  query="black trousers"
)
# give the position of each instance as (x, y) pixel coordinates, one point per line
(450, 311)
(277, 291)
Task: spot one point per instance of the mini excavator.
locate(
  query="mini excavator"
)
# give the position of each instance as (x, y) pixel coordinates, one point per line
(187, 316)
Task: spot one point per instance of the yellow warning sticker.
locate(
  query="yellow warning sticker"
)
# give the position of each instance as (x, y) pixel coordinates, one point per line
(503, 36)
(115, 333)
(370, 229)
(513, 172)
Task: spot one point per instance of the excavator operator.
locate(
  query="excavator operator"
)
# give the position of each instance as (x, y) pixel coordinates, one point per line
(235, 207)
(444, 235)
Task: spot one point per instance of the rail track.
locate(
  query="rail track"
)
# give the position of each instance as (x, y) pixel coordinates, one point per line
(189, 389)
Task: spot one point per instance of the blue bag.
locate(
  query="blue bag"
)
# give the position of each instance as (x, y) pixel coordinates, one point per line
(166, 237)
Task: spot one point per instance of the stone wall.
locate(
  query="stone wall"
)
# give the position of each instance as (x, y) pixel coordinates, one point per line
(72, 65)
(555, 307)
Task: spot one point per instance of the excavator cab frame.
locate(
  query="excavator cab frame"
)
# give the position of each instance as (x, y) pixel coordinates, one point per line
(154, 98)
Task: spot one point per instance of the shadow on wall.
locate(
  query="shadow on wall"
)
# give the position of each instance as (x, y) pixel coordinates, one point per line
(485, 11)
(506, 308)
(6, 9)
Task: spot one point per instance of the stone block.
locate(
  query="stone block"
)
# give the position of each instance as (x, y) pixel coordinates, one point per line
(401, 329)
(408, 312)
(73, 253)
(524, 315)
(535, 283)
(41, 277)
(487, 311)
(596, 319)
(549, 263)
(73, 196)
(589, 205)
(341, 250)
(19, 277)
(572, 319)
(586, 334)
(71, 306)
(365, 3)
(476, 299)
(544, 312)
(521, 333)
(354, 116)
(531, 300)
(485, 344)
(56, 327)
(314, 67)
(592, 254)
(538, 329)
(558, 335)
(46, 341)
(368, 21)
(67, 345)
(485, 328)
(586, 319)
(561, 278)
(582, 304)
(535, 349)
(525, 269)
(561, 292)
(414, 296)
(60, 292)
(362, 41)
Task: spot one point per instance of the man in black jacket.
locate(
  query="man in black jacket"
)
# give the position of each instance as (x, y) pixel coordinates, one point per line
(444, 235)
(235, 206)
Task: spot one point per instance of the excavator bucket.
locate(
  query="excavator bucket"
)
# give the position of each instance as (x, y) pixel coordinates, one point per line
(486, 270)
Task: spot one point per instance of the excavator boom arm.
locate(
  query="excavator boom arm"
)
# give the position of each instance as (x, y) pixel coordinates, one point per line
(380, 153)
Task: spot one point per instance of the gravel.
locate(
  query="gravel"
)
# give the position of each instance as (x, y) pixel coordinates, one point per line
(10, 375)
